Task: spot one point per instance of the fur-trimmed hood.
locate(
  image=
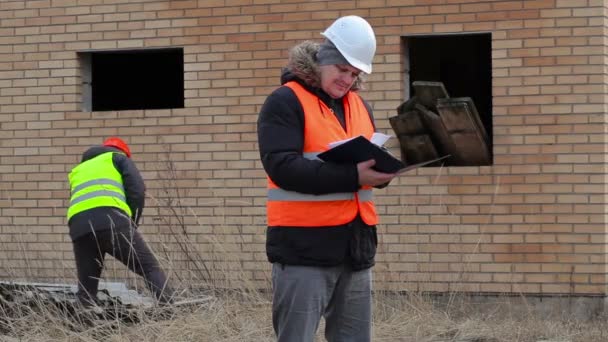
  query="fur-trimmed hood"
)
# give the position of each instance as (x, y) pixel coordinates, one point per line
(302, 64)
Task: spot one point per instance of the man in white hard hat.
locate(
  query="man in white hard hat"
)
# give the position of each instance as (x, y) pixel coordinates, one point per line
(321, 236)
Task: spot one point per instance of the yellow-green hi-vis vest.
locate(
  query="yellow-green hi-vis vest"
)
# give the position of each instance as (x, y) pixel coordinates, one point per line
(96, 183)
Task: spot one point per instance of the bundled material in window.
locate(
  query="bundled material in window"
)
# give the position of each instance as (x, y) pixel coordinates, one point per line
(431, 124)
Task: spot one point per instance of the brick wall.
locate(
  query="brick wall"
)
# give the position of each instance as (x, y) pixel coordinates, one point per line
(534, 222)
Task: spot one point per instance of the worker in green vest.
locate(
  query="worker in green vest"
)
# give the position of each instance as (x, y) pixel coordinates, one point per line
(106, 204)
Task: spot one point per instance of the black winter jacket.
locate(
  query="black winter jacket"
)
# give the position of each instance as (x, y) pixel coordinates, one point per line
(281, 141)
(103, 218)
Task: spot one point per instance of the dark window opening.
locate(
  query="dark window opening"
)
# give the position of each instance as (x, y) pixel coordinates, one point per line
(463, 64)
(135, 79)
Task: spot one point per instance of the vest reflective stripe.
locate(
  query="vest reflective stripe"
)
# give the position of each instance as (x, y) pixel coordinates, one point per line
(89, 191)
(311, 155)
(98, 193)
(98, 182)
(321, 127)
(284, 195)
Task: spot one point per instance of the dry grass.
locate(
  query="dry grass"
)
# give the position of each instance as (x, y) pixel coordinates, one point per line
(244, 316)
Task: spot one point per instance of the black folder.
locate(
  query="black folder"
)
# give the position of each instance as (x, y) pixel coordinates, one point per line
(360, 149)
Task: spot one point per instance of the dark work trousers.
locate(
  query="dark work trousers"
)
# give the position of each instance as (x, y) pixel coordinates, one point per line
(125, 244)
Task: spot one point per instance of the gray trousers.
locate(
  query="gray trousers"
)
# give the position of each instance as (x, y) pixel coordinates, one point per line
(304, 294)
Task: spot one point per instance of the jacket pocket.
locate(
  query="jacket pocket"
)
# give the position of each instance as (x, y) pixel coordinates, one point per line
(363, 243)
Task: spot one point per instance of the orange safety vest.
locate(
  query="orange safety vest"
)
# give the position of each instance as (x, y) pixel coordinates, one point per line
(321, 127)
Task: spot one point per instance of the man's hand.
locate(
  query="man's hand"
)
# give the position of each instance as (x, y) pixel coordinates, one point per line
(371, 177)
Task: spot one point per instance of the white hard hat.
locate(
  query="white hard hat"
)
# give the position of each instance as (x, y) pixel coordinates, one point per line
(354, 37)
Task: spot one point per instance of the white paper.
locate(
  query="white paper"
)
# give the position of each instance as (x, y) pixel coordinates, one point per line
(380, 138)
(339, 142)
(377, 138)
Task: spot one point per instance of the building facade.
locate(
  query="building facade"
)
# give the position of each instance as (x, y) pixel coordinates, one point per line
(532, 222)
